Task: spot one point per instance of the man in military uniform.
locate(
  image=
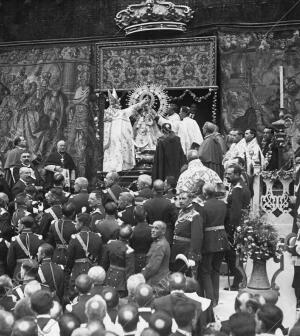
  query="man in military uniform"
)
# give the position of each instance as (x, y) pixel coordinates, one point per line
(21, 202)
(80, 199)
(159, 208)
(50, 273)
(126, 207)
(28, 274)
(4, 245)
(23, 247)
(113, 190)
(111, 297)
(59, 186)
(6, 229)
(85, 248)
(109, 226)
(54, 212)
(83, 285)
(157, 267)
(238, 200)
(215, 243)
(141, 239)
(60, 233)
(97, 209)
(120, 258)
(188, 232)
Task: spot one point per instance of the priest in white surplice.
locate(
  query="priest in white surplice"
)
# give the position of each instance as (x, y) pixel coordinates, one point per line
(188, 131)
(185, 127)
(118, 145)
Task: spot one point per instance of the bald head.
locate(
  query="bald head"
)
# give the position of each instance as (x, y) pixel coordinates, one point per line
(125, 232)
(192, 155)
(177, 281)
(158, 186)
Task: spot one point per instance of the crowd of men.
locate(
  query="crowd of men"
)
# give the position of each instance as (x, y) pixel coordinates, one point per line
(143, 260)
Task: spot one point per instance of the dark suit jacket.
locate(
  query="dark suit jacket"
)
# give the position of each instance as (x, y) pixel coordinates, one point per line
(18, 188)
(127, 215)
(80, 200)
(160, 208)
(214, 213)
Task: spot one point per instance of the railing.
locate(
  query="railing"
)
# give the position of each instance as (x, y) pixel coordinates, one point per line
(272, 194)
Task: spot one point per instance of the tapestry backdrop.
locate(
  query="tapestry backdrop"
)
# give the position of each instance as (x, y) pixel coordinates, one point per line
(44, 96)
(250, 91)
(178, 63)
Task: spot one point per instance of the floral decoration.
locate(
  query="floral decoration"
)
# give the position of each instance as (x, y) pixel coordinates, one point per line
(257, 240)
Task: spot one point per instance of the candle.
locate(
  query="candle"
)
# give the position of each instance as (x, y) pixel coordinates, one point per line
(281, 86)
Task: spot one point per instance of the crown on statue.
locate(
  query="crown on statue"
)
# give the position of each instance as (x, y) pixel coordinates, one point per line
(152, 15)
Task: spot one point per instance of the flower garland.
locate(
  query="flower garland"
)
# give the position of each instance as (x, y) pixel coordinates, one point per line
(257, 240)
(278, 174)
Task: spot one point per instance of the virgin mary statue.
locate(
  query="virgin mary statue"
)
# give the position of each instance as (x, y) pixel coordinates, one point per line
(118, 144)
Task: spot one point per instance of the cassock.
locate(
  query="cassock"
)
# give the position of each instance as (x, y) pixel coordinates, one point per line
(168, 158)
(63, 160)
(12, 160)
(211, 155)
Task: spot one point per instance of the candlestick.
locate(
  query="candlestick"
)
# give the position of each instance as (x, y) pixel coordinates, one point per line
(281, 86)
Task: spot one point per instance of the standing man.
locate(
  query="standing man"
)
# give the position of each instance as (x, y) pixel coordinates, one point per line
(237, 201)
(24, 180)
(113, 189)
(120, 258)
(81, 198)
(158, 258)
(188, 232)
(249, 148)
(25, 159)
(23, 247)
(169, 156)
(60, 161)
(49, 272)
(13, 158)
(188, 131)
(85, 248)
(141, 239)
(210, 151)
(270, 150)
(234, 151)
(215, 242)
(97, 209)
(161, 209)
(60, 233)
(172, 118)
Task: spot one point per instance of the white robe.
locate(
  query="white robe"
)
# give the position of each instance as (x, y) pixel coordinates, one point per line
(251, 152)
(189, 132)
(118, 144)
(173, 119)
